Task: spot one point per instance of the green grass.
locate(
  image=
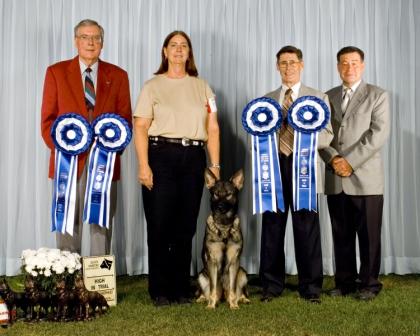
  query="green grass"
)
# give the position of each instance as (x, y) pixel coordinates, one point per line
(396, 311)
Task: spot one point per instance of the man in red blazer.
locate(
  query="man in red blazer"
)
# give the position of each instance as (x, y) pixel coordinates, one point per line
(64, 92)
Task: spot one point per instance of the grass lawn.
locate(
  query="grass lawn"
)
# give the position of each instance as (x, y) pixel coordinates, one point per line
(396, 311)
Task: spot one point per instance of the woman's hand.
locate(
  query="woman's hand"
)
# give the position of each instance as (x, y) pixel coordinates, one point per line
(145, 176)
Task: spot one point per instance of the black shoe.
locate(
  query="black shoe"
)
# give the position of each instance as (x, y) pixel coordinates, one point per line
(340, 292)
(312, 298)
(366, 295)
(267, 297)
(161, 301)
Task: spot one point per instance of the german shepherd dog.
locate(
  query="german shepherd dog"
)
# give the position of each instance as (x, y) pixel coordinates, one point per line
(222, 276)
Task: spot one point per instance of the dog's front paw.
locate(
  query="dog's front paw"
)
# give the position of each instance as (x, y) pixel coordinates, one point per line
(211, 304)
(233, 305)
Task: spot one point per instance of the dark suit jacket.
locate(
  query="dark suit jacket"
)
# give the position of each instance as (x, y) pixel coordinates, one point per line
(358, 137)
(63, 93)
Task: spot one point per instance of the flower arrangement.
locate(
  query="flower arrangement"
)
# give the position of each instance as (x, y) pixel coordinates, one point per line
(47, 265)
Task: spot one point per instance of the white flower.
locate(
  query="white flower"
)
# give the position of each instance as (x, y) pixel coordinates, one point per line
(45, 263)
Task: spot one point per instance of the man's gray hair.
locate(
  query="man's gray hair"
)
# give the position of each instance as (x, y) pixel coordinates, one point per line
(89, 22)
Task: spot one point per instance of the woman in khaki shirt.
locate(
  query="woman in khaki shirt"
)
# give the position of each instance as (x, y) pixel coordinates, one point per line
(175, 118)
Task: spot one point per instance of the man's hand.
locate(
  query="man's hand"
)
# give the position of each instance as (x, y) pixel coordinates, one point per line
(145, 176)
(341, 166)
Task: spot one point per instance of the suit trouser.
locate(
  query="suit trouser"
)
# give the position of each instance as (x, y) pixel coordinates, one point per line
(171, 210)
(100, 238)
(307, 239)
(361, 215)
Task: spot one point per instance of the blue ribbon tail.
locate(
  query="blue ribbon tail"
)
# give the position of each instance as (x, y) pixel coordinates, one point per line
(64, 193)
(98, 187)
(304, 172)
(267, 188)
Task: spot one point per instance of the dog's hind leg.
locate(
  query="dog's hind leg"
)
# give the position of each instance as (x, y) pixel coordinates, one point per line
(241, 289)
(204, 288)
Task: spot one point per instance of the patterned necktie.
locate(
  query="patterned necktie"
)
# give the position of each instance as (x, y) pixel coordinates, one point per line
(346, 98)
(89, 92)
(286, 131)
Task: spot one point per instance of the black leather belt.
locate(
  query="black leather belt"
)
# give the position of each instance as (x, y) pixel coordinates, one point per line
(179, 141)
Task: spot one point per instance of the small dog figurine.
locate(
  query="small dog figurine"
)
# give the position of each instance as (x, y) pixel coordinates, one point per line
(222, 275)
(64, 300)
(36, 300)
(88, 299)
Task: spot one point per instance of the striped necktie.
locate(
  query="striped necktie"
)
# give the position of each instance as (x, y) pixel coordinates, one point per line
(286, 131)
(89, 92)
(346, 99)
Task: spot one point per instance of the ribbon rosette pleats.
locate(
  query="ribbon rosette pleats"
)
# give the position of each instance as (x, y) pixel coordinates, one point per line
(262, 118)
(72, 135)
(308, 115)
(112, 134)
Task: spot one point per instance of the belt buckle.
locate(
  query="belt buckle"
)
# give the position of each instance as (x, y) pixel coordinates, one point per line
(186, 142)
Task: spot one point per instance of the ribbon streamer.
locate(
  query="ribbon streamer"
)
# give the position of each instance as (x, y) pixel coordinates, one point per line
(308, 115)
(262, 118)
(112, 135)
(72, 135)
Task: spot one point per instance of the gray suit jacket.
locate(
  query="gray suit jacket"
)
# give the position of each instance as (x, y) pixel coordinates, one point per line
(325, 136)
(359, 137)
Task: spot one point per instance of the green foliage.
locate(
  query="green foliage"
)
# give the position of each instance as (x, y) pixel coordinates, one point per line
(396, 311)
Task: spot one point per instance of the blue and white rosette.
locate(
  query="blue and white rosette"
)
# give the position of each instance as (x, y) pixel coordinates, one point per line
(112, 134)
(72, 135)
(261, 118)
(308, 115)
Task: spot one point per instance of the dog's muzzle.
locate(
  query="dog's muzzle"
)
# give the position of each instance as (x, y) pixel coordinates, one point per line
(222, 207)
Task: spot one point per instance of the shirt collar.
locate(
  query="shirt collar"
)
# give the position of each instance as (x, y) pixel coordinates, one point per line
(295, 88)
(353, 87)
(94, 68)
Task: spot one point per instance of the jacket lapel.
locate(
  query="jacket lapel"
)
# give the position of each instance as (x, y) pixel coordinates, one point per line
(102, 90)
(302, 91)
(335, 101)
(275, 95)
(76, 86)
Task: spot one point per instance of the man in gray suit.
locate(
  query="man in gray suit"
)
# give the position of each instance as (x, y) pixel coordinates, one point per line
(306, 229)
(354, 176)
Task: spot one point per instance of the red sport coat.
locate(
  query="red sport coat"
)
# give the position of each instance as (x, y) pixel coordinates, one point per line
(63, 93)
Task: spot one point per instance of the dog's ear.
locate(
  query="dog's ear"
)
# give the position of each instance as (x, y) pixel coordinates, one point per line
(209, 178)
(238, 179)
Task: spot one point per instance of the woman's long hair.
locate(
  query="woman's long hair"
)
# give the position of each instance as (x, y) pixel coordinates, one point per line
(190, 67)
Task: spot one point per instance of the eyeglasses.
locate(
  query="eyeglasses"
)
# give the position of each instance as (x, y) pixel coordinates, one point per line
(292, 64)
(88, 38)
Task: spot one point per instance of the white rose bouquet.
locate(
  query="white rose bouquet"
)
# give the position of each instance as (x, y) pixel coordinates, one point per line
(46, 265)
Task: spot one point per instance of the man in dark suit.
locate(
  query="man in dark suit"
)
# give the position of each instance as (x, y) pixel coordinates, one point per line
(64, 92)
(354, 181)
(306, 229)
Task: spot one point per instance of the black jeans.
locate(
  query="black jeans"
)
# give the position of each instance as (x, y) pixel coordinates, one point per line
(171, 210)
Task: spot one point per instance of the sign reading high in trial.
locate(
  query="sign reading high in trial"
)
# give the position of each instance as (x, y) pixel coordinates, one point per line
(99, 275)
